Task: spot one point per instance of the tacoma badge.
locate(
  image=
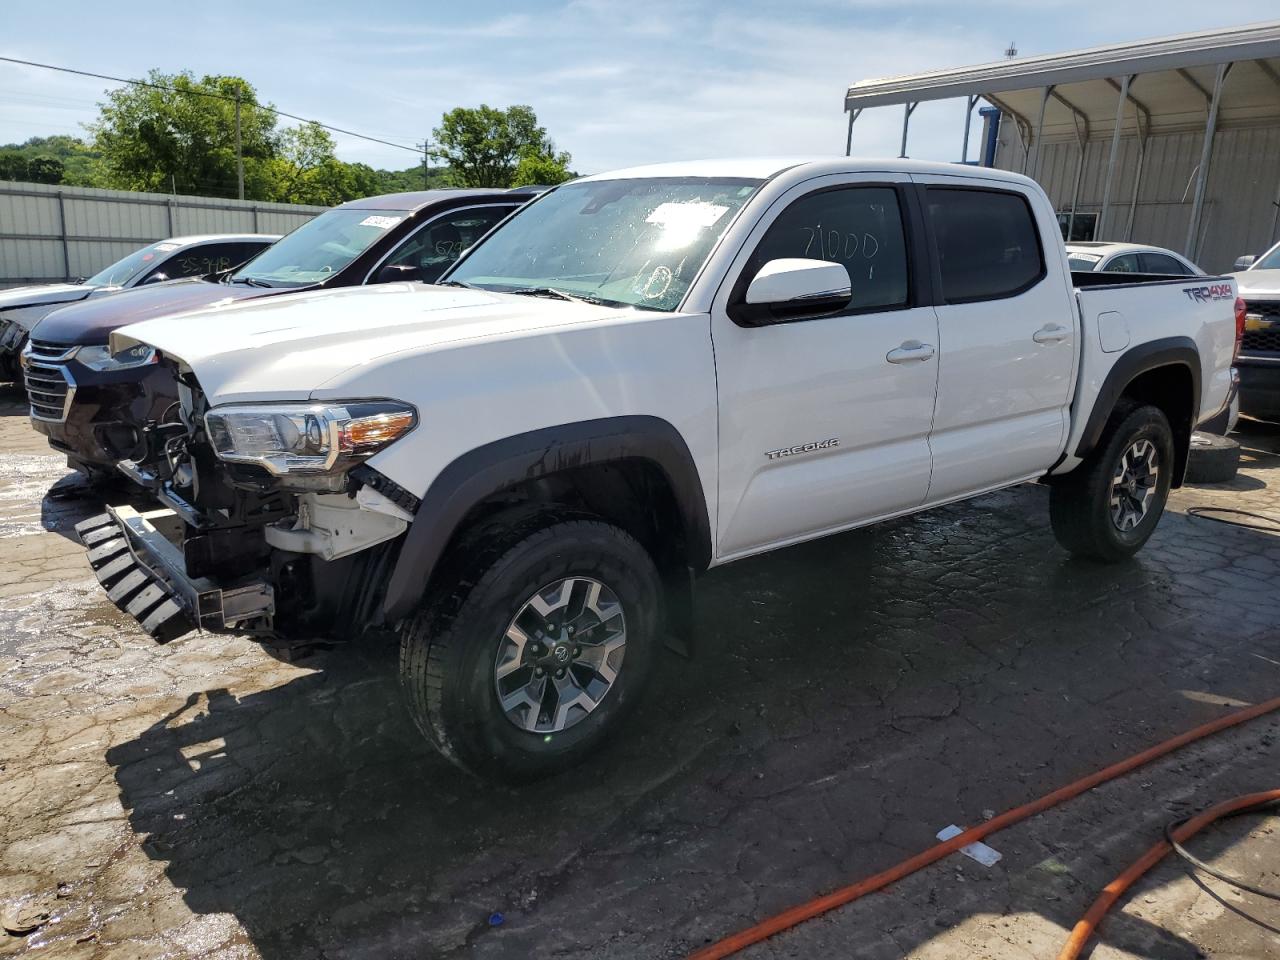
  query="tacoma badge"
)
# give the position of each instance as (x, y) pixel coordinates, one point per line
(802, 448)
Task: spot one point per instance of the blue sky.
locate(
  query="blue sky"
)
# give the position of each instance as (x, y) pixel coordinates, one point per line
(615, 83)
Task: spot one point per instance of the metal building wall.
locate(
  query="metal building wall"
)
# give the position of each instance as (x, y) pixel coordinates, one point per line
(1240, 214)
(54, 233)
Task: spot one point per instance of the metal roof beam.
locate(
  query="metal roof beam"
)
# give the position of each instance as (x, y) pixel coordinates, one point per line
(1137, 104)
(1079, 114)
(1269, 70)
(1195, 84)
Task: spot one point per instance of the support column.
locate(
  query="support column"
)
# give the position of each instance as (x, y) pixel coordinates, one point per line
(1075, 190)
(1206, 155)
(62, 230)
(1111, 159)
(1032, 165)
(1137, 176)
(848, 140)
(968, 118)
(908, 109)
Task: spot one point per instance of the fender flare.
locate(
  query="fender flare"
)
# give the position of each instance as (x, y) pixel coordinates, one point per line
(1165, 352)
(502, 464)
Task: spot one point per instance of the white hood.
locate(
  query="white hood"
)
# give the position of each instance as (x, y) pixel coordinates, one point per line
(1259, 282)
(44, 293)
(289, 347)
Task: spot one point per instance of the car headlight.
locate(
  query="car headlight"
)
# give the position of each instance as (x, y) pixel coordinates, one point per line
(102, 359)
(307, 438)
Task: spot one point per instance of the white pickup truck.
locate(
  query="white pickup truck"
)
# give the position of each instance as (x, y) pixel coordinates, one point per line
(639, 376)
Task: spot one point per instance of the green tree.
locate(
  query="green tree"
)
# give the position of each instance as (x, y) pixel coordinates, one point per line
(306, 170)
(13, 165)
(45, 170)
(484, 146)
(161, 140)
(544, 169)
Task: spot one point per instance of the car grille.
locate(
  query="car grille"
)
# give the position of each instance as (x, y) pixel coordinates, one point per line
(49, 385)
(1261, 328)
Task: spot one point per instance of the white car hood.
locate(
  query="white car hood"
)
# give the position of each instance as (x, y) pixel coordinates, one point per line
(1259, 282)
(34, 296)
(292, 346)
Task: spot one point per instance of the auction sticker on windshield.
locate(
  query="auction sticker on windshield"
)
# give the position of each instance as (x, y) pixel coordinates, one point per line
(382, 223)
(696, 213)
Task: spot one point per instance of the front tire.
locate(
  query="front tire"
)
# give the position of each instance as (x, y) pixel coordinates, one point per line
(544, 642)
(1108, 507)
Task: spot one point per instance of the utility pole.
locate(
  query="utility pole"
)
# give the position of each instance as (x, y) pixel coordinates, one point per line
(239, 153)
(426, 163)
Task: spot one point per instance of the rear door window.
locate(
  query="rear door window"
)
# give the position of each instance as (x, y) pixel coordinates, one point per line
(987, 241)
(1164, 264)
(1125, 263)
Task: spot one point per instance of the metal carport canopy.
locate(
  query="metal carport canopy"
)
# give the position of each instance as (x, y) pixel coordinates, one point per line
(1148, 86)
(1176, 78)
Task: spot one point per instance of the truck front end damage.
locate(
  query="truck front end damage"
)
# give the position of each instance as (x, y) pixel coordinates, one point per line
(269, 523)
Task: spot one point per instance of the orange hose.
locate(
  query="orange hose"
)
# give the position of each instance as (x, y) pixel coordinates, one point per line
(838, 898)
(1083, 930)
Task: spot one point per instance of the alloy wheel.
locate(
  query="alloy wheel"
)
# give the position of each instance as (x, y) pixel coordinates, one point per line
(1133, 486)
(561, 655)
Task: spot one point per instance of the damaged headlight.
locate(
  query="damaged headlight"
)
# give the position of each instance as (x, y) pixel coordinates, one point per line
(307, 438)
(103, 360)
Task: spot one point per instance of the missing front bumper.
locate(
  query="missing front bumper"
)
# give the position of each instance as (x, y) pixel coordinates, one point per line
(144, 575)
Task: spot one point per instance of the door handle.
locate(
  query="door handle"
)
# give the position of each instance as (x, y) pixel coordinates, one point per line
(910, 352)
(1051, 333)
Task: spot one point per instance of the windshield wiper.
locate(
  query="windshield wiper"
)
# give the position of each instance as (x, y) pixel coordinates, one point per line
(561, 295)
(250, 281)
(457, 283)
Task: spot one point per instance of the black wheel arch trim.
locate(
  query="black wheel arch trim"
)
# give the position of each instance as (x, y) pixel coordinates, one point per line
(504, 463)
(1165, 352)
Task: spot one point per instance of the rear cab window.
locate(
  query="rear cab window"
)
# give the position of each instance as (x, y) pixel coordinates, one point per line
(987, 241)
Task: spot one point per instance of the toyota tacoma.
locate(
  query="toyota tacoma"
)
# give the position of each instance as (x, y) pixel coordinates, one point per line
(640, 376)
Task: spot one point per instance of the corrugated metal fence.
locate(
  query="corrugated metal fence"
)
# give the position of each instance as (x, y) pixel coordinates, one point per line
(53, 233)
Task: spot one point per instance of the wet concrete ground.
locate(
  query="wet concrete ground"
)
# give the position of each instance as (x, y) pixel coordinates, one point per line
(848, 699)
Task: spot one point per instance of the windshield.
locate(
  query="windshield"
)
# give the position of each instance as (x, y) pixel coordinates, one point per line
(319, 248)
(1269, 261)
(633, 243)
(1082, 261)
(122, 271)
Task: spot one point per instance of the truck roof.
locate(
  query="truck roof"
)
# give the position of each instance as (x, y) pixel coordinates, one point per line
(762, 168)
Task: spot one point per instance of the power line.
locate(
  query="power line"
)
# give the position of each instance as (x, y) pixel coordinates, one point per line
(213, 96)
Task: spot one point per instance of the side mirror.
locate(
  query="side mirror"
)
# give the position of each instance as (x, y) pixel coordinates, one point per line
(154, 278)
(1245, 262)
(393, 272)
(794, 289)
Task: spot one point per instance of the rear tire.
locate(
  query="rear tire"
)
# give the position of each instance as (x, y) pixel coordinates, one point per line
(1108, 507)
(471, 688)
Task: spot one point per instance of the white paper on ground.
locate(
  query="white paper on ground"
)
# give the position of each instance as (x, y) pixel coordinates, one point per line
(987, 856)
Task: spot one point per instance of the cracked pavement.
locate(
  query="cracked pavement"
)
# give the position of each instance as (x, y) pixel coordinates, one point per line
(847, 699)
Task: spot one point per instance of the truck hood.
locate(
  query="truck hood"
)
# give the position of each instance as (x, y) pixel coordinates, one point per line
(291, 347)
(92, 321)
(1259, 282)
